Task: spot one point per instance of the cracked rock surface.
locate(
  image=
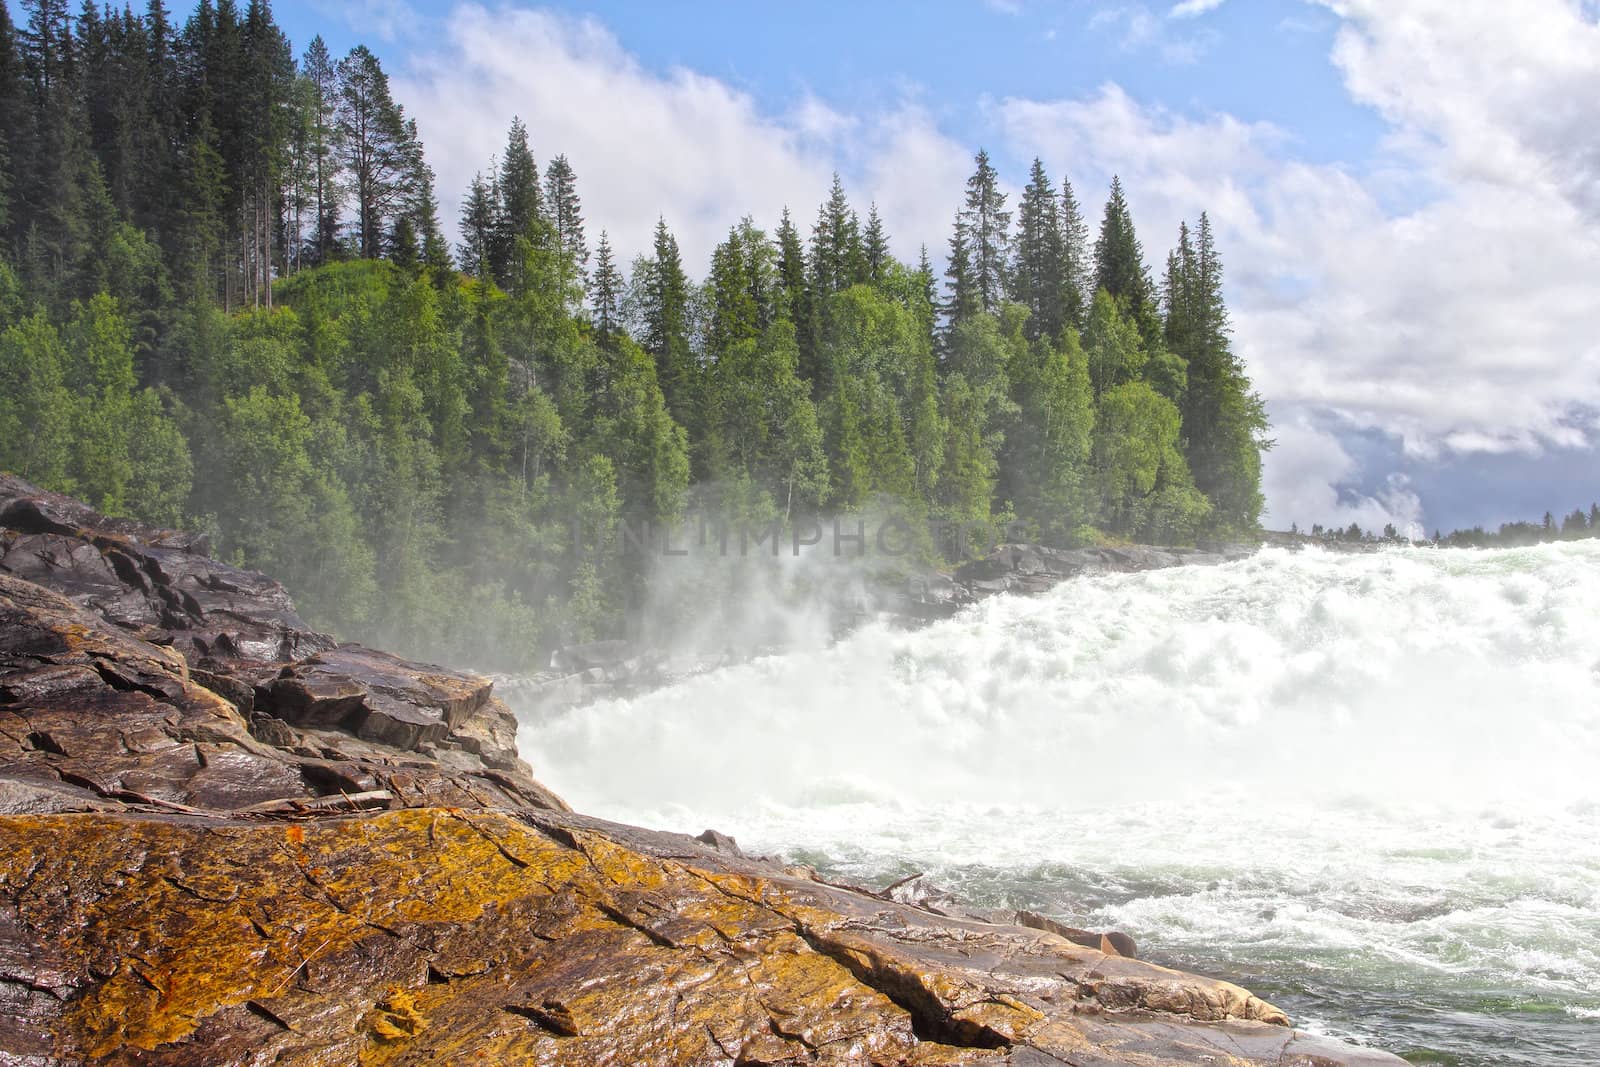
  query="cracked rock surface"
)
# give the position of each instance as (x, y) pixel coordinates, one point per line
(225, 839)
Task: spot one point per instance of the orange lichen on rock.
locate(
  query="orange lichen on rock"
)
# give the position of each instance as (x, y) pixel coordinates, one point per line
(435, 935)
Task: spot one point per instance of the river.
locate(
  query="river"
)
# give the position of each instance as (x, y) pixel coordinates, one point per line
(1365, 786)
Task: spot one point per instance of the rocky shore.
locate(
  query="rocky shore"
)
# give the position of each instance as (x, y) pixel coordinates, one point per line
(228, 839)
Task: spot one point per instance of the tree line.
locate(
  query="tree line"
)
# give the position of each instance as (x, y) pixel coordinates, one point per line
(227, 302)
(1575, 526)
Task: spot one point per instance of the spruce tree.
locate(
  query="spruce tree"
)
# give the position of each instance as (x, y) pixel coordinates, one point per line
(13, 111)
(1119, 266)
(605, 290)
(836, 255)
(1076, 259)
(964, 300)
(478, 214)
(1039, 279)
(925, 277)
(321, 74)
(875, 247)
(266, 78)
(1224, 421)
(988, 235)
(520, 210)
(791, 269)
(159, 147)
(732, 313)
(424, 213)
(565, 211)
(665, 321)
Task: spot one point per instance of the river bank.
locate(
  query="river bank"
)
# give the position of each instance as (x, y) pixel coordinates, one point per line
(229, 839)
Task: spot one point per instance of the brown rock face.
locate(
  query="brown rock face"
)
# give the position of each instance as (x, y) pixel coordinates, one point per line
(225, 839)
(145, 672)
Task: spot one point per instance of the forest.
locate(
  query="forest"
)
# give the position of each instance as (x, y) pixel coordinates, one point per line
(228, 302)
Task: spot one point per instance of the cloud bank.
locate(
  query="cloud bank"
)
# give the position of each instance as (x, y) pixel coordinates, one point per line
(679, 145)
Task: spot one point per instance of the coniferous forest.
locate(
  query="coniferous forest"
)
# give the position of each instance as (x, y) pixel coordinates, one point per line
(228, 302)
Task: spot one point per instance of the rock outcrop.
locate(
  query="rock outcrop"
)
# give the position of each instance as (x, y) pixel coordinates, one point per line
(225, 839)
(138, 669)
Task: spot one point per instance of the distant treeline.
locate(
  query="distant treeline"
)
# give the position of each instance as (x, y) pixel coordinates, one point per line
(1576, 526)
(227, 302)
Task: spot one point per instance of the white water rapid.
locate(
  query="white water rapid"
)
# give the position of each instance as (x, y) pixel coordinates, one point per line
(1367, 786)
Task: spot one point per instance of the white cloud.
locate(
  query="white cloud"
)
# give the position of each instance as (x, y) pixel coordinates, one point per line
(1308, 475)
(1464, 322)
(1138, 29)
(1189, 9)
(389, 20)
(681, 145)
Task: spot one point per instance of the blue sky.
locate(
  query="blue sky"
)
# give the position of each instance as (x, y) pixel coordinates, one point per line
(1263, 60)
(1406, 192)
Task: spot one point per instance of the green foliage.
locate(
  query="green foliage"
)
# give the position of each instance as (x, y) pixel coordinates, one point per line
(1112, 344)
(35, 406)
(1144, 485)
(1047, 464)
(226, 301)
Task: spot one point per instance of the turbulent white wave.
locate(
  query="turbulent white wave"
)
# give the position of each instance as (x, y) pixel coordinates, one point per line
(1374, 773)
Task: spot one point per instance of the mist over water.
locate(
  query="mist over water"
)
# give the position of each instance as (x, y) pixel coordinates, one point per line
(1367, 786)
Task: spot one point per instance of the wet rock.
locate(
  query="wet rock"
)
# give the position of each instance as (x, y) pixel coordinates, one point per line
(433, 936)
(1112, 943)
(720, 841)
(224, 839)
(185, 629)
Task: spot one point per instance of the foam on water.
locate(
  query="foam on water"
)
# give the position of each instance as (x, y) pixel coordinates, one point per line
(1365, 784)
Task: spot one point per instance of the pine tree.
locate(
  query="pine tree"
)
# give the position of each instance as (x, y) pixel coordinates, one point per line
(321, 75)
(605, 290)
(377, 148)
(988, 237)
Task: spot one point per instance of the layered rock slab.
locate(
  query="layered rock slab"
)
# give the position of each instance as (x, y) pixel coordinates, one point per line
(139, 670)
(450, 936)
